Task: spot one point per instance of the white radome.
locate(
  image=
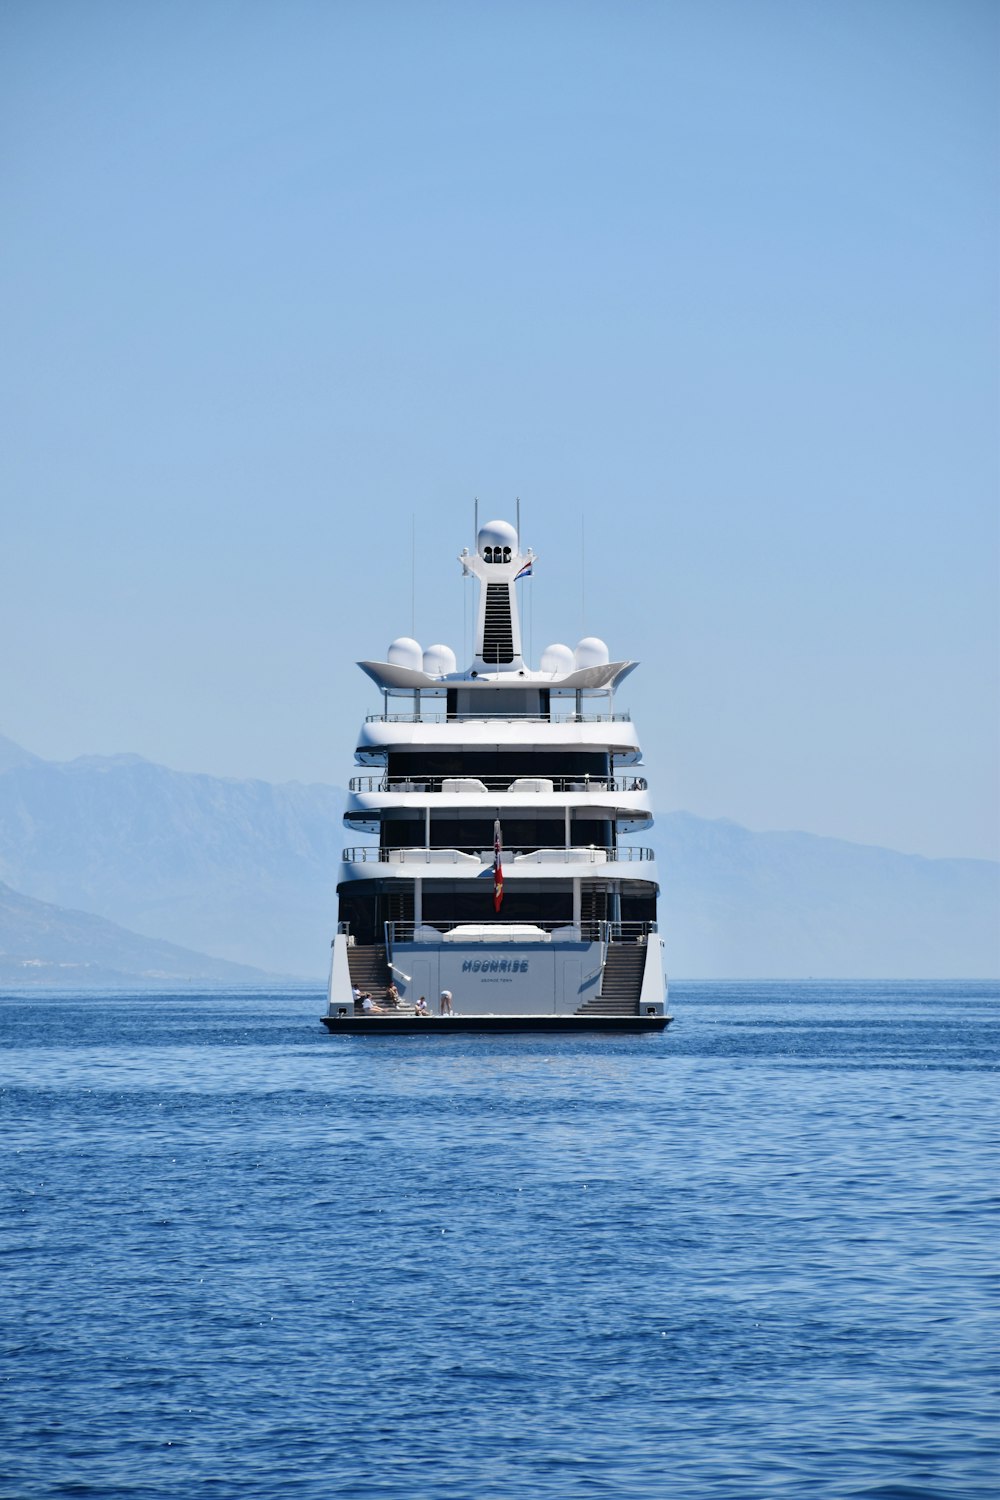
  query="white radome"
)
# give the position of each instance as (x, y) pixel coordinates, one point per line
(558, 659)
(591, 652)
(439, 661)
(406, 652)
(497, 534)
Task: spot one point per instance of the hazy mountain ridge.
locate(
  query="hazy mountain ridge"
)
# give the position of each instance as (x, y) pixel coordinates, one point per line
(785, 905)
(45, 944)
(243, 870)
(12, 756)
(246, 871)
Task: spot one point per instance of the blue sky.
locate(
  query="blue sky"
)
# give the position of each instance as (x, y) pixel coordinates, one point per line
(714, 282)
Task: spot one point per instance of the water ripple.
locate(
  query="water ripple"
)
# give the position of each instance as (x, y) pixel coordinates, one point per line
(755, 1257)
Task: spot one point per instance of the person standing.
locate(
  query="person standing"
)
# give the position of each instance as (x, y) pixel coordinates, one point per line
(445, 1004)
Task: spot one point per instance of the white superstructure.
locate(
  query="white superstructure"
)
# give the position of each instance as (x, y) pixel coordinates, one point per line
(562, 920)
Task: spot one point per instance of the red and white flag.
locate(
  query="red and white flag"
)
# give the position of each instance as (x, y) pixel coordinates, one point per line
(497, 868)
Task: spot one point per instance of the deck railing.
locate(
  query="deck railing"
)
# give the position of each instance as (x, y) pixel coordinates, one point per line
(592, 930)
(361, 854)
(568, 783)
(455, 718)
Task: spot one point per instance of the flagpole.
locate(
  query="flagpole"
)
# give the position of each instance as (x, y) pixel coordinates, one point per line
(497, 869)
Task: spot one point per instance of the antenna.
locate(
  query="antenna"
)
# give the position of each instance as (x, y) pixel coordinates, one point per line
(583, 575)
(475, 534)
(530, 611)
(413, 573)
(525, 595)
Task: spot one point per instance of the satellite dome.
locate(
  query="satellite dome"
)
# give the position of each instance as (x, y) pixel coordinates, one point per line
(592, 652)
(558, 660)
(497, 534)
(439, 661)
(405, 652)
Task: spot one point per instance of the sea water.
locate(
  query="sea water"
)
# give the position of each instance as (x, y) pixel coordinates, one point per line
(749, 1257)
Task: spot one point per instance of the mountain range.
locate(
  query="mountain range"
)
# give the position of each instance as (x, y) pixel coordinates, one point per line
(241, 870)
(245, 872)
(41, 944)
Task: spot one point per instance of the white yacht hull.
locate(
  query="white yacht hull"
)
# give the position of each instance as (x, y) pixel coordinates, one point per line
(559, 977)
(500, 797)
(438, 1026)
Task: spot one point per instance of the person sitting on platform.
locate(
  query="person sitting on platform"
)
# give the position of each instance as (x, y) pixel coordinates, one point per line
(370, 1008)
(392, 998)
(421, 1007)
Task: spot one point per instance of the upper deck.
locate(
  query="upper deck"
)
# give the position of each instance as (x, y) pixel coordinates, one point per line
(612, 733)
(499, 700)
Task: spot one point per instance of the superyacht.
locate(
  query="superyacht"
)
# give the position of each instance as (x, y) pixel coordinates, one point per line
(497, 892)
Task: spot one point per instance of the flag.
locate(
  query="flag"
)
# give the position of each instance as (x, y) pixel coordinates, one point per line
(497, 868)
(524, 573)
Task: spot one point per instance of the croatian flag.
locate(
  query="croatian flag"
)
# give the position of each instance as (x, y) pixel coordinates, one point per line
(497, 868)
(524, 573)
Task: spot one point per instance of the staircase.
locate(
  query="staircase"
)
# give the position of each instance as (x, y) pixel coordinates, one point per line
(621, 984)
(369, 968)
(498, 631)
